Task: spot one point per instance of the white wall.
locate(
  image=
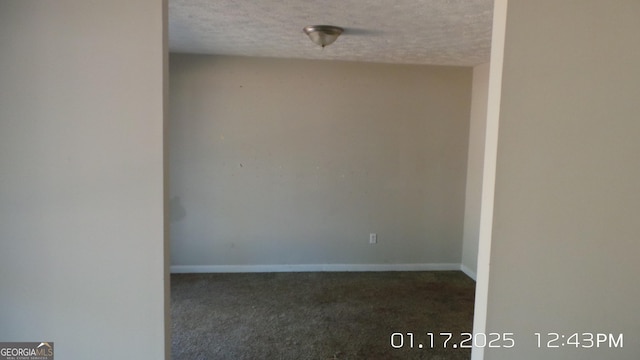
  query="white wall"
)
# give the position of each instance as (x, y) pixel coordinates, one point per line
(564, 255)
(81, 187)
(475, 165)
(279, 162)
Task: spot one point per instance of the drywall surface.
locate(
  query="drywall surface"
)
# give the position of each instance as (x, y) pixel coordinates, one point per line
(475, 163)
(565, 247)
(298, 161)
(81, 186)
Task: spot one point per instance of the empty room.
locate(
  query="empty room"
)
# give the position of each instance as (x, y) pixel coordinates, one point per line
(324, 198)
(204, 180)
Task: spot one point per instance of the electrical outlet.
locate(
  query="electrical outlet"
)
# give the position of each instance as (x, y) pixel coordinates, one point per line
(373, 238)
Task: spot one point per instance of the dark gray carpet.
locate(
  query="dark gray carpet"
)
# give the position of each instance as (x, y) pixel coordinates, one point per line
(318, 315)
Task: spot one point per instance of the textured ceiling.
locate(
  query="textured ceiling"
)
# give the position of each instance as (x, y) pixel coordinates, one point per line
(437, 32)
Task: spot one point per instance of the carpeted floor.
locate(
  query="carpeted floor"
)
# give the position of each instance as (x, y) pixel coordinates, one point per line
(319, 315)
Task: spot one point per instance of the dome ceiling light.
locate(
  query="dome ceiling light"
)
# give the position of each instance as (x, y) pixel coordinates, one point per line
(323, 35)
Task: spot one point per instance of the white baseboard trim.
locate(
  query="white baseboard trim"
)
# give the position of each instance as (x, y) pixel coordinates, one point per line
(470, 273)
(183, 269)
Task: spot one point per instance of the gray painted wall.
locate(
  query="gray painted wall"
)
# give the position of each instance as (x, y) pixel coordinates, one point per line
(565, 247)
(296, 162)
(81, 187)
(475, 165)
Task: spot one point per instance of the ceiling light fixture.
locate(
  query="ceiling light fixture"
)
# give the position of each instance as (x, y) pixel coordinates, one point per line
(323, 35)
